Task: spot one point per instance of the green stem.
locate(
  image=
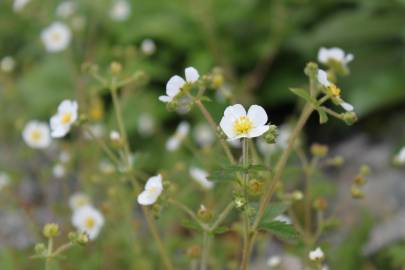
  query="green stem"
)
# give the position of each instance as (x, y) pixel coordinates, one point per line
(205, 251)
(246, 230)
(222, 216)
(49, 254)
(189, 212)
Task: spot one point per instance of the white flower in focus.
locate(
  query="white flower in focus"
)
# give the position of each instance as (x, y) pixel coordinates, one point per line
(400, 157)
(58, 171)
(4, 180)
(146, 124)
(176, 83)
(200, 176)
(237, 124)
(78, 200)
(89, 220)
(153, 188)
(316, 255)
(274, 261)
(62, 121)
(148, 46)
(56, 37)
(323, 78)
(335, 54)
(120, 10)
(347, 106)
(19, 4)
(7, 64)
(181, 133)
(203, 135)
(36, 135)
(66, 9)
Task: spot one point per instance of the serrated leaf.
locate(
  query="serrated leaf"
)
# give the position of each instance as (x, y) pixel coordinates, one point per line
(273, 210)
(281, 229)
(303, 94)
(323, 117)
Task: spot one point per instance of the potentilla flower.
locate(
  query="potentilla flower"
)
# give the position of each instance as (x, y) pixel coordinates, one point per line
(19, 4)
(7, 64)
(177, 83)
(66, 9)
(4, 180)
(146, 124)
(203, 135)
(200, 176)
(153, 188)
(237, 124)
(89, 220)
(400, 157)
(56, 37)
(316, 255)
(274, 261)
(181, 133)
(78, 200)
(62, 121)
(36, 135)
(326, 56)
(120, 10)
(148, 46)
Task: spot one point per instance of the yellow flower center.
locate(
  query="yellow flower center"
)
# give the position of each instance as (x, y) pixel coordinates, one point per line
(66, 118)
(36, 135)
(55, 37)
(242, 125)
(90, 222)
(334, 90)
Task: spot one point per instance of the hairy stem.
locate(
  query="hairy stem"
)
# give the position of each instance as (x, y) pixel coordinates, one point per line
(246, 230)
(205, 251)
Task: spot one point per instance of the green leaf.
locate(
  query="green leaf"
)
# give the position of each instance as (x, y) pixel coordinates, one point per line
(205, 98)
(257, 167)
(220, 230)
(190, 225)
(281, 229)
(303, 94)
(273, 210)
(323, 117)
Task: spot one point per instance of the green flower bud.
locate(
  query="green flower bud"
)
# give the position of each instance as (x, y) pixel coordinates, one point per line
(364, 170)
(297, 195)
(51, 230)
(255, 187)
(72, 236)
(40, 248)
(271, 135)
(115, 68)
(336, 161)
(204, 214)
(350, 118)
(357, 193)
(82, 238)
(359, 180)
(311, 69)
(319, 150)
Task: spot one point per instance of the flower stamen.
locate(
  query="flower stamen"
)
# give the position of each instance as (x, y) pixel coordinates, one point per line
(242, 125)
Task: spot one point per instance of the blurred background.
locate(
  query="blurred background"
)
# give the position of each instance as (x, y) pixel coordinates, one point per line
(261, 48)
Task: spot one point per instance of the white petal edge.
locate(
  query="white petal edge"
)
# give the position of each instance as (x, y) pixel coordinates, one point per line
(192, 74)
(258, 115)
(174, 85)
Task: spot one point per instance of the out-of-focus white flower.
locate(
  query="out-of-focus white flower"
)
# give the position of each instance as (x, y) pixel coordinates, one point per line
(115, 136)
(237, 124)
(56, 37)
(235, 143)
(19, 4)
(97, 130)
(106, 167)
(120, 11)
(347, 106)
(274, 261)
(36, 135)
(400, 157)
(176, 83)
(284, 133)
(64, 156)
(283, 218)
(4, 180)
(325, 267)
(89, 220)
(153, 188)
(78, 200)
(323, 78)
(7, 64)
(203, 135)
(66, 9)
(181, 133)
(325, 56)
(58, 171)
(146, 124)
(316, 254)
(62, 121)
(200, 176)
(148, 46)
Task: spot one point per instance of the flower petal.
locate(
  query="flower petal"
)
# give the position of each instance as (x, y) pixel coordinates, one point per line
(226, 125)
(146, 198)
(154, 182)
(258, 115)
(165, 98)
(191, 74)
(258, 131)
(347, 106)
(174, 85)
(235, 111)
(323, 78)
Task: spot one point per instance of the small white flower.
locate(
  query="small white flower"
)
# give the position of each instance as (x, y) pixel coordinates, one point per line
(120, 10)
(200, 176)
(56, 37)
(106, 167)
(347, 106)
(153, 188)
(181, 133)
(146, 124)
(36, 135)
(115, 136)
(176, 83)
(4, 180)
(283, 218)
(203, 135)
(274, 261)
(284, 133)
(78, 200)
(89, 220)
(334, 54)
(237, 124)
(64, 156)
(19, 4)
(400, 157)
(323, 78)
(66, 9)
(62, 121)
(58, 171)
(316, 255)
(7, 64)
(148, 46)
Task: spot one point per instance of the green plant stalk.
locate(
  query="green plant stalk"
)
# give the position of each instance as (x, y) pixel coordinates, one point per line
(222, 216)
(49, 254)
(246, 230)
(205, 250)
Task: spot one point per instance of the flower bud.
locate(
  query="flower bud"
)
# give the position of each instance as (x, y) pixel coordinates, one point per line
(359, 180)
(364, 170)
(311, 69)
(350, 118)
(82, 238)
(357, 193)
(320, 204)
(204, 214)
(239, 202)
(255, 187)
(172, 105)
(319, 150)
(297, 195)
(336, 161)
(271, 135)
(40, 248)
(193, 252)
(115, 68)
(51, 230)
(72, 236)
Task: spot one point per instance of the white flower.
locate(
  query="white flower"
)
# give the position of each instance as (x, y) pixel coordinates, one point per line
(347, 106)
(4, 180)
(19, 4)
(62, 121)
(7, 64)
(316, 255)
(181, 133)
(64, 156)
(176, 83)
(200, 176)
(274, 261)
(148, 46)
(115, 136)
(323, 78)
(65, 9)
(153, 188)
(58, 171)
(120, 10)
(334, 54)
(237, 124)
(78, 200)
(146, 124)
(36, 135)
(400, 157)
(203, 134)
(89, 220)
(56, 37)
